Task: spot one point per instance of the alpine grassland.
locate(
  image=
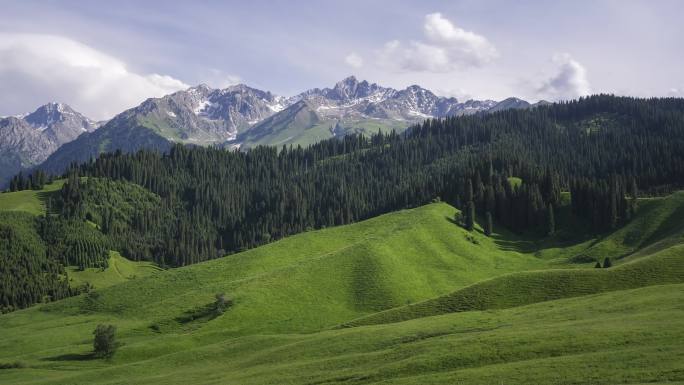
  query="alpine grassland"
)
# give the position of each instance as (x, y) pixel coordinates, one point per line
(409, 297)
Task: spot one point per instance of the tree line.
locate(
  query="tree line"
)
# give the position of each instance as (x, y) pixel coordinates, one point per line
(192, 203)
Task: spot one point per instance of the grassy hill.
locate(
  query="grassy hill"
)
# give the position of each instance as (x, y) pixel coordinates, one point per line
(318, 279)
(119, 270)
(32, 201)
(665, 267)
(290, 295)
(628, 336)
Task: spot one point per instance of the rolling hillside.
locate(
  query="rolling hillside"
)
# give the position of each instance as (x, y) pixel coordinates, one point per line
(31, 201)
(665, 267)
(119, 269)
(289, 297)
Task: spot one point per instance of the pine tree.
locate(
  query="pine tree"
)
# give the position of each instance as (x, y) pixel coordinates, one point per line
(613, 203)
(607, 263)
(551, 227)
(634, 196)
(488, 224)
(597, 265)
(468, 191)
(470, 216)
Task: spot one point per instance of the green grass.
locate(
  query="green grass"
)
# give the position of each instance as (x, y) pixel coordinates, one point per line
(524, 288)
(515, 181)
(31, 201)
(318, 279)
(290, 297)
(119, 270)
(660, 224)
(629, 336)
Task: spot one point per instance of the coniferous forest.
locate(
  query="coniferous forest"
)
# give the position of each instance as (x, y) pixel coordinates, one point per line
(193, 204)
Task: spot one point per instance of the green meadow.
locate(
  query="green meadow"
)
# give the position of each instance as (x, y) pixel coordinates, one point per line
(404, 298)
(31, 201)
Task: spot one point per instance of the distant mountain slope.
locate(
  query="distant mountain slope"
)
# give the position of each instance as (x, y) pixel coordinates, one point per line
(241, 116)
(27, 140)
(122, 133)
(356, 106)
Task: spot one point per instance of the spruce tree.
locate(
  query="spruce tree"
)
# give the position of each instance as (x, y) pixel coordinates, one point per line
(613, 218)
(488, 224)
(551, 224)
(468, 191)
(634, 193)
(607, 263)
(470, 216)
(597, 265)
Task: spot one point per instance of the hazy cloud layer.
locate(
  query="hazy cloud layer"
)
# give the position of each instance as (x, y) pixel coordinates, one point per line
(217, 78)
(446, 48)
(47, 68)
(568, 81)
(354, 60)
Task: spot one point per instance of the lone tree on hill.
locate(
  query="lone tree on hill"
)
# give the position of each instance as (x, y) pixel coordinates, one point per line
(222, 303)
(607, 263)
(104, 343)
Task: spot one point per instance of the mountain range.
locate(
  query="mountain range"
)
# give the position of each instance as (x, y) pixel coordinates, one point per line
(239, 116)
(27, 140)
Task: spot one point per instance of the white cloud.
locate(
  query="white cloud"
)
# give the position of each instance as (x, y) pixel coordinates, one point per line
(676, 92)
(35, 69)
(354, 60)
(568, 81)
(459, 93)
(217, 78)
(446, 48)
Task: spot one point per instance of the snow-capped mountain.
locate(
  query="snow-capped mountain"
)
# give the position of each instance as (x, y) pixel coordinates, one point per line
(351, 98)
(353, 106)
(204, 115)
(59, 122)
(27, 140)
(241, 116)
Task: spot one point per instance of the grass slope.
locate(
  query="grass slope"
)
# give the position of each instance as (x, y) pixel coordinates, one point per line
(32, 201)
(119, 270)
(524, 288)
(319, 279)
(631, 336)
(290, 295)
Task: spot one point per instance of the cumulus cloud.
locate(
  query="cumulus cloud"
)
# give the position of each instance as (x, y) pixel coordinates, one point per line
(354, 60)
(446, 48)
(35, 69)
(568, 81)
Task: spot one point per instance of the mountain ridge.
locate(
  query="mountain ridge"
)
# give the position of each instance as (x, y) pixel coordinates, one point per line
(27, 140)
(240, 116)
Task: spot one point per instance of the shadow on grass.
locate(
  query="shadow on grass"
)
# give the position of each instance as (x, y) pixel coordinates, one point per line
(571, 231)
(72, 357)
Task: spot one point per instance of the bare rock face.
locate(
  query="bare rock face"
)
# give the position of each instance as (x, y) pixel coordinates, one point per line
(27, 140)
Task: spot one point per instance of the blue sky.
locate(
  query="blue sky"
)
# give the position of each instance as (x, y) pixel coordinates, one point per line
(102, 57)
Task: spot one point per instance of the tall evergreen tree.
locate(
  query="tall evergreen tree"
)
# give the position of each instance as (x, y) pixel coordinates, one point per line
(551, 220)
(489, 225)
(470, 216)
